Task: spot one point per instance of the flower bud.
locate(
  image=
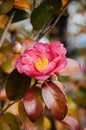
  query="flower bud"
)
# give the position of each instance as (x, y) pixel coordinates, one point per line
(17, 47)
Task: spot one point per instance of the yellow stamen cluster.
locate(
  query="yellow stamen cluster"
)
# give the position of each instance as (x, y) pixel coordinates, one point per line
(41, 64)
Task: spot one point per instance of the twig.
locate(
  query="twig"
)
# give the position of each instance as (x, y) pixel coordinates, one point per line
(6, 27)
(34, 3)
(47, 29)
(40, 33)
(9, 106)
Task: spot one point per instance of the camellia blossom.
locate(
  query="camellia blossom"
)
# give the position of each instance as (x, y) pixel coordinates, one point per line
(41, 60)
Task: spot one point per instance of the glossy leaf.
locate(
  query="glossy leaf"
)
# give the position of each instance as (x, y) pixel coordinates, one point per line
(71, 68)
(54, 99)
(9, 122)
(27, 124)
(3, 20)
(40, 16)
(16, 85)
(71, 123)
(6, 6)
(33, 103)
(22, 4)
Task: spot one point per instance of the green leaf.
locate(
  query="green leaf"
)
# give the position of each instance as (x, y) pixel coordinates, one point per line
(6, 6)
(16, 85)
(33, 103)
(28, 125)
(9, 122)
(20, 15)
(40, 16)
(54, 99)
(54, 5)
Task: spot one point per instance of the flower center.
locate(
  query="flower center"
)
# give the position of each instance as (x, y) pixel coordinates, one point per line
(41, 64)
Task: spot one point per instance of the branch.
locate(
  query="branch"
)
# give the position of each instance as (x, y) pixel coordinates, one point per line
(4, 110)
(6, 28)
(48, 28)
(34, 3)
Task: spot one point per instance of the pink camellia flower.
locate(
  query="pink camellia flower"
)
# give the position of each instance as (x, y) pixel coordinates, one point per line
(41, 60)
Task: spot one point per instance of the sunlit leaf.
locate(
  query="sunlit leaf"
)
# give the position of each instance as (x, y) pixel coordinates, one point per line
(54, 99)
(6, 67)
(64, 2)
(33, 103)
(3, 58)
(22, 4)
(6, 6)
(71, 68)
(16, 85)
(6, 48)
(71, 123)
(9, 122)
(27, 124)
(3, 20)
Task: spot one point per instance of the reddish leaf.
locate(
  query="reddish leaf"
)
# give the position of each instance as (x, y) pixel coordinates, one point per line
(54, 99)
(71, 123)
(27, 124)
(72, 68)
(33, 103)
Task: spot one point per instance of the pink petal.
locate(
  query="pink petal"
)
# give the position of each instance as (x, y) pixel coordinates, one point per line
(71, 68)
(71, 123)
